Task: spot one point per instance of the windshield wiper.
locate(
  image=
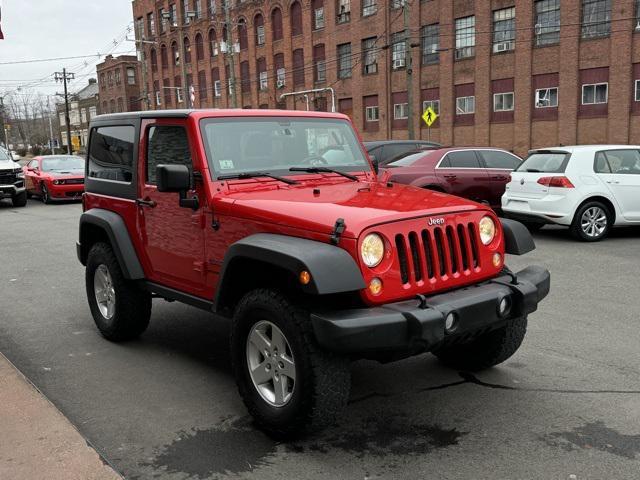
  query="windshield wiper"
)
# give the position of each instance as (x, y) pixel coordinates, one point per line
(257, 174)
(324, 170)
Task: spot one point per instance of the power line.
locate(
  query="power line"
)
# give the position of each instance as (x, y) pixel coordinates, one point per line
(40, 60)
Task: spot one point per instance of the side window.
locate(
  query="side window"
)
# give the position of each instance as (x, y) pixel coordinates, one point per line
(395, 149)
(167, 145)
(501, 160)
(624, 162)
(601, 165)
(33, 164)
(111, 153)
(463, 159)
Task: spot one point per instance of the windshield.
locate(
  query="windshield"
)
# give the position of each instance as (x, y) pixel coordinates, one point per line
(545, 162)
(62, 164)
(237, 145)
(4, 156)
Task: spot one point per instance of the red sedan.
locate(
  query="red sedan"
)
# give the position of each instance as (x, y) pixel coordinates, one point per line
(55, 177)
(479, 174)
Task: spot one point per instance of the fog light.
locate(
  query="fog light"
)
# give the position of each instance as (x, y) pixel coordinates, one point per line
(504, 307)
(305, 277)
(450, 322)
(497, 259)
(375, 286)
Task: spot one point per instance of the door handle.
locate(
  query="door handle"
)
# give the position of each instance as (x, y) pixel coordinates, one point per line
(498, 177)
(145, 202)
(615, 182)
(450, 175)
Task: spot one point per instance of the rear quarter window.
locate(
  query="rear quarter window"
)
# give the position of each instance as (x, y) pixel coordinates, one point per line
(499, 160)
(545, 162)
(111, 153)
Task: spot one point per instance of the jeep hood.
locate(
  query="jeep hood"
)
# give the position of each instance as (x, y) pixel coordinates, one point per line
(360, 204)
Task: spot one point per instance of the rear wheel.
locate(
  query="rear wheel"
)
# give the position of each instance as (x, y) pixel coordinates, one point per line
(487, 350)
(20, 200)
(289, 385)
(120, 309)
(591, 222)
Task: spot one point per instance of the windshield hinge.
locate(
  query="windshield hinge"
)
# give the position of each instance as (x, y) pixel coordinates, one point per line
(338, 230)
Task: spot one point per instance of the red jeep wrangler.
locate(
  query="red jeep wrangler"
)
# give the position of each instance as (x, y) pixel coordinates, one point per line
(275, 220)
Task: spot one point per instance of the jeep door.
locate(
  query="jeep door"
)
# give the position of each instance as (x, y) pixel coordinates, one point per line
(172, 236)
(462, 174)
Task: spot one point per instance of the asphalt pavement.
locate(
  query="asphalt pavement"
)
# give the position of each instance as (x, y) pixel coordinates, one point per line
(566, 406)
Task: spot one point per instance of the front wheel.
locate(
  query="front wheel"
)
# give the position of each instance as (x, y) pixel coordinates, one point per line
(591, 222)
(486, 351)
(20, 200)
(46, 199)
(289, 385)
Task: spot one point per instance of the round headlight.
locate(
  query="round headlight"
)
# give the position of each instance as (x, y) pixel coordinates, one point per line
(487, 230)
(372, 250)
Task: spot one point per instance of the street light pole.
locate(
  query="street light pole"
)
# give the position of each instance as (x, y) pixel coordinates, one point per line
(409, 68)
(230, 52)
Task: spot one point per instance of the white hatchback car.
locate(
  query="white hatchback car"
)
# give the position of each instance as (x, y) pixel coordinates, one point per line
(589, 188)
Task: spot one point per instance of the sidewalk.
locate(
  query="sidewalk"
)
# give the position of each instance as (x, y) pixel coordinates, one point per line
(36, 440)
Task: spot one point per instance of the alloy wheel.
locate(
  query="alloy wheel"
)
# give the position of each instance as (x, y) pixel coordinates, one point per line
(594, 222)
(271, 364)
(104, 291)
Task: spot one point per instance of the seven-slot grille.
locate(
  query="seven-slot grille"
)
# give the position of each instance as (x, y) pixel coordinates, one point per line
(8, 178)
(437, 253)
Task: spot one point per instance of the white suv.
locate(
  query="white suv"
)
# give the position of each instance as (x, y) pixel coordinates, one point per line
(589, 188)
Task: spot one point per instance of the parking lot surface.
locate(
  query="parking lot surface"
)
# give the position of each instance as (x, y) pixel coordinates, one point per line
(567, 405)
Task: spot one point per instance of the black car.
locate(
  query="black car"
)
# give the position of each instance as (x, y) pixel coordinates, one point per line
(385, 150)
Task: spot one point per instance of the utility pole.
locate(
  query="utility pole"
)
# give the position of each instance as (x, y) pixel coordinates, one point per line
(140, 43)
(230, 51)
(408, 52)
(183, 66)
(64, 76)
(2, 130)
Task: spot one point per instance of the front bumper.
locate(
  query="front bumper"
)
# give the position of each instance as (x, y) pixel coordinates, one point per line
(11, 190)
(418, 326)
(65, 191)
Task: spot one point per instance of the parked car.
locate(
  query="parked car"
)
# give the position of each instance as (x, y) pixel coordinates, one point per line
(383, 151)
(238, 212)
(479, 174)
(588, 188)
(55, 177)
(11, 180)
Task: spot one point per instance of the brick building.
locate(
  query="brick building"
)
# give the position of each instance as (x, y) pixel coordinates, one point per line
(516, 74)
(120, 84)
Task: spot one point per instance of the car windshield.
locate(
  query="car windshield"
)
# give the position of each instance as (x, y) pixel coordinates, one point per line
(545, 162)
(4, 155)
(253, 144)
(62, 164)
(407, 159)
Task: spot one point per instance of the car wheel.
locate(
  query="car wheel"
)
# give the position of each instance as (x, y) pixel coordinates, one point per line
(591, 222)
(289, 385)
(487, 350)
(120, 309)
(46, 199)
(20, 200)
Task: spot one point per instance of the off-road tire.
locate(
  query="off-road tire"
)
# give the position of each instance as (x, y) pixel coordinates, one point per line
(44, 195)
(132, 306)
(20, 200)
(576, 228)
(486, 351)
(323, 379)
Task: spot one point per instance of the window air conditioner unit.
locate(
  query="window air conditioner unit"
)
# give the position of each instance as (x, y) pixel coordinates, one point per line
(223, 47)
(434, 49)
(398, 63)
(502, 47)
(280, 84)
(638, 25)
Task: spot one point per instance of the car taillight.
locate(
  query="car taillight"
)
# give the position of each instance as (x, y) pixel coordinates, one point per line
(558, 182)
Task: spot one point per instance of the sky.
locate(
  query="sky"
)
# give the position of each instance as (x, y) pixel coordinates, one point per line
(43, 29)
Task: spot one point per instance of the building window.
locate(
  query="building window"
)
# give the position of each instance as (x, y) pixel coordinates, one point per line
(280, 77)
(296, 19)
(430, 43)
(163, 21)
(83, 116)
(465, 37)
(434, 104)
(158, 98)
(213, 44)
(131, 76)
(637, 91)
(175, 53)
(400, 111)
(398, 51)
(504, 30)
(465, 105)
(173, 10)
(396, 4)
(276, 23)
(318, 14)
(118, 77)
(372, 114)
(199, 47)
(298, 67)
(344, 60)
(185, 12)
(151, 24)
(198, 8)
(503, 102)
(212, 7)
(187, 50)
(369, 7)
(260, 35)
(344, 11)
(92, 112)
(369, 56)
(596, 18)
(547, 26)
(547, 97)
(243, 38)
(264, 83)
(217, 88)
(320, 64)
(595, 93)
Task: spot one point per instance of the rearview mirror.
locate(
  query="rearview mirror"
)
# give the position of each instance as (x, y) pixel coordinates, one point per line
(176, 178)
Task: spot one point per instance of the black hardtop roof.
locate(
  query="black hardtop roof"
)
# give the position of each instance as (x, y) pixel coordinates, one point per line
(144, 114)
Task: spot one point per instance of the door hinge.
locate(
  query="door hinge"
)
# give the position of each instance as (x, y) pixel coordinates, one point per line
(338, 230)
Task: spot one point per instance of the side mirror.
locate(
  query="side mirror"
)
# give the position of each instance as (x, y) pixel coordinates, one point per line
(176, 178)
(374, 162)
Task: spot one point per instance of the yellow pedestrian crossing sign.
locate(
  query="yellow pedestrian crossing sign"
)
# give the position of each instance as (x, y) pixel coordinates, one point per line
(429, 116)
